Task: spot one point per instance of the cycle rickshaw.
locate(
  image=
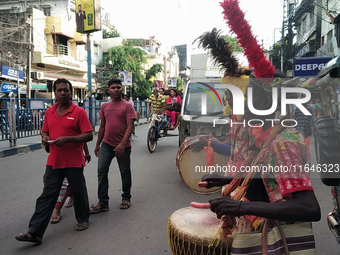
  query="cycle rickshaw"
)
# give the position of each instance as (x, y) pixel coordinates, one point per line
(158, 129)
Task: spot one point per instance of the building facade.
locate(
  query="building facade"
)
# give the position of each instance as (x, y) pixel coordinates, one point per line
(57, 50)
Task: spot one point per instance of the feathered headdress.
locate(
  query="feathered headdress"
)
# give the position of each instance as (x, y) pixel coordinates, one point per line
(234, 17)
(221, 53)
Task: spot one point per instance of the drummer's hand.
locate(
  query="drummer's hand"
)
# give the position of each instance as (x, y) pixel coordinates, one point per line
(214, 180)
(225, 206)
(199, 145)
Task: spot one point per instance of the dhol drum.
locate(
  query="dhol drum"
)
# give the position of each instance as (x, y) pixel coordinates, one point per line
(194, 231)
(191, 166)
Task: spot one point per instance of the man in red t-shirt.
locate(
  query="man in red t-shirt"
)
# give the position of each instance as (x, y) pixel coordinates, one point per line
(66, 128)
(116, 123)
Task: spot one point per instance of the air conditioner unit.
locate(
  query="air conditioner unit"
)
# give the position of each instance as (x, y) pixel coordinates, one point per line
(37, 75)
(40, 75)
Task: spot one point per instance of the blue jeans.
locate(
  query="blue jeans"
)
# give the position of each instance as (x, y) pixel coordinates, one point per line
(106, 154)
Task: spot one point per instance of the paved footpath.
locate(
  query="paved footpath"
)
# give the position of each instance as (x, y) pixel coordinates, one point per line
(34, 143)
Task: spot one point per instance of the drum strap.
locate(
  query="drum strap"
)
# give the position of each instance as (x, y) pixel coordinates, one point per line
(254, 158)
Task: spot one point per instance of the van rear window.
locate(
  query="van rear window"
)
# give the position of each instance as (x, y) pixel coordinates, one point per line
(197, 93)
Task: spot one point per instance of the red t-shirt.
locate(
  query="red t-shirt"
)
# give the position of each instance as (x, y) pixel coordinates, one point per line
(72, 123)
(116, 115)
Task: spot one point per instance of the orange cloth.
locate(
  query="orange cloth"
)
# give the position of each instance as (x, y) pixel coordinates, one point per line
(209, 156)
(307, 141)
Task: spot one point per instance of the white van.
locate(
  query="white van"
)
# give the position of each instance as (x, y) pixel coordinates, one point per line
(195, 119)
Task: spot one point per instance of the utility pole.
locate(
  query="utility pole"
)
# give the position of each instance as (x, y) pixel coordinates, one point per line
(89, 78)
(282, 35)
(165, 73)
(291, 4)
(29, 58)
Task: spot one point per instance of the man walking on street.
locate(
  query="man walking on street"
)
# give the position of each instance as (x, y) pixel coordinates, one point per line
(66, 128)
(116, 123)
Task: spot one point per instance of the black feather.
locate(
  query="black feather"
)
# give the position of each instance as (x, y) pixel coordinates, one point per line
(221, 52)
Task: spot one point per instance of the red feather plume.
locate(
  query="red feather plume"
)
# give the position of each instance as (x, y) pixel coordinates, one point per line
(234, 17)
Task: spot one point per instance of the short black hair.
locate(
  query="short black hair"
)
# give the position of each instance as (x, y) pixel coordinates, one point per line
(114, 80)
(161, 89)
(62, 80)
(174, 91)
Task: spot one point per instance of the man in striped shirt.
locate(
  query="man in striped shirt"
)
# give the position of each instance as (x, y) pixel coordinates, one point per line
(158, 103)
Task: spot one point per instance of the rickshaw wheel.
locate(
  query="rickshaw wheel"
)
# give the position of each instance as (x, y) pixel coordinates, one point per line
(152, 139)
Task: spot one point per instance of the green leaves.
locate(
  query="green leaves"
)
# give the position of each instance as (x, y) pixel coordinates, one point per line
(128, 58)
(233, 41)
(110, 34)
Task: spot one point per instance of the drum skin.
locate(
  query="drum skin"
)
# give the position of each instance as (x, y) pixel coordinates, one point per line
(192, 230)
(186, 162)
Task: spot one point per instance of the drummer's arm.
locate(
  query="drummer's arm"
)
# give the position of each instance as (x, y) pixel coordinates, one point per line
(216, 180)
(223, 149)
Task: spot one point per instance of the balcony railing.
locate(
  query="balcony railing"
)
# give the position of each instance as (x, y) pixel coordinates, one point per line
(61, 49)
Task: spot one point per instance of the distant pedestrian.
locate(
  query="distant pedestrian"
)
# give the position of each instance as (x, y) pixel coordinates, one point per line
(66, 128)
(116, 123)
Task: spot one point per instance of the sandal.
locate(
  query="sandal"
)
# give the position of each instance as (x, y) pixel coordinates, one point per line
(28, 237)
(69, 204)
(55, 220)
(102, 208)
(82, 226)
(125, 205)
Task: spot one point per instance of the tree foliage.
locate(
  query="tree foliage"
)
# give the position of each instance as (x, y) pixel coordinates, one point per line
(232, 41)
(133, 42)
(275, 56)
(179, 84)
(128, 58)
(113, 33)
(153, 71)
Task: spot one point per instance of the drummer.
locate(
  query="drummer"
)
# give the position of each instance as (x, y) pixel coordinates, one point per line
(281, 196)
(284, 196)
(287, 197)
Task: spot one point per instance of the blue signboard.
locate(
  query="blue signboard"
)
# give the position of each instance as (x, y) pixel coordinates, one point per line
(12, 73)
(8, 87)
(309, 67)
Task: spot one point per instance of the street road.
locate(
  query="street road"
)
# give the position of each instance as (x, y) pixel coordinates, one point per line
(142, 229)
